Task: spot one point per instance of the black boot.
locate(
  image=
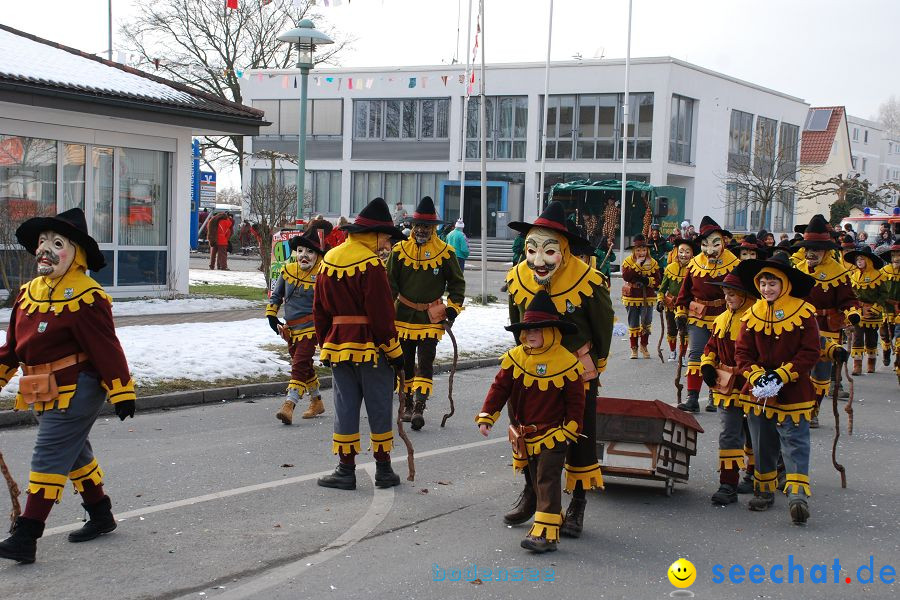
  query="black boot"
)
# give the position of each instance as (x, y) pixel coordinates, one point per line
(524, 507)
(727, 494)
(407, 408)
(746, 484)
(799, 509)
(886, 357)
(385, 476)
(538, 544)
(101, 521)
(761, 501)
(343, 478)
(418, 419)
(22, 544)
(692, 404)
(710, 405)
(574, 519)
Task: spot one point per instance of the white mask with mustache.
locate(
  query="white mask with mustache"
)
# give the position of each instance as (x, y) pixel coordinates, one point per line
(543, 253)
(55, 254)
(712, 245)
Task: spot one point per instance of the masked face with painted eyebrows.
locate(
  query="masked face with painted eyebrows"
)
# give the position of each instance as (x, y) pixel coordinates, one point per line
(543, 253)
(55, 254)
(712, 245)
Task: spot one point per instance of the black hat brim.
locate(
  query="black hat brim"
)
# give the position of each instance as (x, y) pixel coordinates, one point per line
(724, 232)
(28, 233)
(851, 256)
(574, 240)
(415, 221)
(738, 288)
(564, 327)
(388, 229)
(816, 245)
(297, 241)
(801, 283)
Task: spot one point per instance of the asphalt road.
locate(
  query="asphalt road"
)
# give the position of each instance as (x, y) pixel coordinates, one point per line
(221, 502)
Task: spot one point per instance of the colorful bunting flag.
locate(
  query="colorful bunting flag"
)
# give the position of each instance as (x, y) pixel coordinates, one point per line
(232, 4)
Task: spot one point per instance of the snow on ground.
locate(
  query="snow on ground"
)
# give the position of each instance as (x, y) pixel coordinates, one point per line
(212, 351)
(159, 306)
(247, 278)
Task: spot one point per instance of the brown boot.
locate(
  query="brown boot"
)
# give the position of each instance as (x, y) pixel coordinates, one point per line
(524, 507)
(286, 414)
(406, 415)
(315, 407)
(574, 519)
(870, 364)
(857, 366)
(645, 352)
(633, 352)
(418, 419)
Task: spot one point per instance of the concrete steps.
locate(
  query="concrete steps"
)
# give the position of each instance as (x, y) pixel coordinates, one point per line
(497, 250)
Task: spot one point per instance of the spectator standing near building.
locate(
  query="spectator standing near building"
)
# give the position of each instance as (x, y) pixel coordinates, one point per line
(224, 229)
(213, 237)
(457, 239)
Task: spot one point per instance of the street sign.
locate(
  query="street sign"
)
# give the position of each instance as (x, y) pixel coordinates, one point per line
(207, 189)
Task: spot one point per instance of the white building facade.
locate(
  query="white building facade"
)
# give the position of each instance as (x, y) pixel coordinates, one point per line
(398, 133)
(876, 153)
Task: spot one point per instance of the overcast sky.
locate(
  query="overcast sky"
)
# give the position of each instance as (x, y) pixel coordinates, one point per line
(828, 52)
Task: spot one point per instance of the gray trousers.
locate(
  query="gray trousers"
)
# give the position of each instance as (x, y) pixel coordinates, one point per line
(62, 448)
(697, 338)
(768, 435)
(731, 443)
(355, 383)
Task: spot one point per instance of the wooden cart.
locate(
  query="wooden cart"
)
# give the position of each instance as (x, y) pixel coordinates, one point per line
(645, 439)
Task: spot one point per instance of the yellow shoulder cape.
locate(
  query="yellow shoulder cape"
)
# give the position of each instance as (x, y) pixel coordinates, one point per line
(675, 272)
(296, 277)
(702, 266)
(68, 293)
(870, 278)
(828, 273)
(357, 252)
(573, 281)
(428, 256)
(784, 314)
(649, 268)
(550, 365)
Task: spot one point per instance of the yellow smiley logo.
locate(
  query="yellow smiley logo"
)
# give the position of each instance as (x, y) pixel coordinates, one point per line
(682, 573)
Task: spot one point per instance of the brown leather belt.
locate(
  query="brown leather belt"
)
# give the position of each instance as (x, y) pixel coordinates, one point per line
(421, 306)
(300, 321)
(720, 302)
(350, 320)
(56, 365)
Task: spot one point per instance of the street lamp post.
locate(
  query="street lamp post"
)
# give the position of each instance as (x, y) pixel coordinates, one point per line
(307, 38)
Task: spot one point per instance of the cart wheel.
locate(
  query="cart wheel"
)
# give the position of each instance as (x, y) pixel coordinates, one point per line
(670, 486)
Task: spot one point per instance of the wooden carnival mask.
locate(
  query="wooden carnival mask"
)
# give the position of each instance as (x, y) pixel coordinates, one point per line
(55, 254)
(305, 257)
(685, 254)
(713, 245)
(543, 253)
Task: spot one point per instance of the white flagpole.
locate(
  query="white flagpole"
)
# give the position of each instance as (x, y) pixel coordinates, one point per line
(484, 211)
(625, 141)
(465, 116)
(546, 109)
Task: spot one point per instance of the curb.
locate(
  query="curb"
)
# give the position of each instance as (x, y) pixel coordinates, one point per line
(11, 418)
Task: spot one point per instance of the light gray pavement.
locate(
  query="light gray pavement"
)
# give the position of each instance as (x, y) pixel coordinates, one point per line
(210, 510)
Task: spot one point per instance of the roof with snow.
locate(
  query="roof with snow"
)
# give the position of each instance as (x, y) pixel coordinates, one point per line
(39, 72)
(818, 135)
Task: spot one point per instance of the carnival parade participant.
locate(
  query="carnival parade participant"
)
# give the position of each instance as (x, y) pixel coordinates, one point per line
(61, 332)
(294, 289)
(834, 300)
(540, 382)
(641, 274)
(580, 296)
(871, 288)
(673, 277)
(891, 272)
(719, 370)
(420, 270)
(749, 248)
(777, 347)
(698, 303)
(353, 312)
(658, 246)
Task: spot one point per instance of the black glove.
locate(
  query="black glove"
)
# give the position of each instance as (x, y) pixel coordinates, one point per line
(452, 313)
(854, 319)
(659, 307)
(274, 323)
(681, 324)
(841, 354)
(769, 377)
(709, 375)
(396, 363)
(125, 408)
(642, 279)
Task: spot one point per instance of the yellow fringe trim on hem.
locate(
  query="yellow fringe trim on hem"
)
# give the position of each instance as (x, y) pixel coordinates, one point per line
(706, 322)
(693, 368)
(300, 386)
(519, 463)
(731, 459)
(639, 302)
(419, 331)
(61, 402)
(423, 385)
(870, 323)
(6, 373)
(781, 412)
(345, 443)
(765, 482)
(486, 419)
(820, 387)
(546, 525)
(548, 439)
(735, 398)
(634, 331)
(590, 477)
(307, 333)
(857, 352)
(382, 442)
(49, 485)
(89, 472)
(350, 351)
(797, 482)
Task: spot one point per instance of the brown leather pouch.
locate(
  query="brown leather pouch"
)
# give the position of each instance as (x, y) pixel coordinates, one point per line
(38, 388)
(669, 302)
(834, 320)
(696, 309)
(870, 312)
(437, 312)
(517, 439)
(285, 333)
(627, 289)
(725, 378)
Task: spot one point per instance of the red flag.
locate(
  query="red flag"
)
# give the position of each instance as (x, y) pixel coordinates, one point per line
(232, 4)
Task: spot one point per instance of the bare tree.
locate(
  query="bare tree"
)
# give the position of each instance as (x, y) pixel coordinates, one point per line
(850, 192)
(229, 195)
(272, 206)
(205, 45)
(889, 115)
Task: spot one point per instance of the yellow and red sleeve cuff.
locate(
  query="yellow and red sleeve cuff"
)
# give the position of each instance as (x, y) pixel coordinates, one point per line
(484, 418)
(7, 373)
(786, 373)
(119, 392)
(708, 358)
(754, 373)
(601, 364)
(272, 310)
(392, 349)
(457, 307)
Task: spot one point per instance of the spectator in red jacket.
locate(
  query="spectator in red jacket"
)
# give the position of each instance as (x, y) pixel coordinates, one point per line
(224, 228)
(337, 235)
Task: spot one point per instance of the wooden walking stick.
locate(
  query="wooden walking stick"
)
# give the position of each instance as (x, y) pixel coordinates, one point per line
(681, 348)
(849, 407)
(662, 334)
(449, 331)
(410, 453)
(13, 492)
(837, 426)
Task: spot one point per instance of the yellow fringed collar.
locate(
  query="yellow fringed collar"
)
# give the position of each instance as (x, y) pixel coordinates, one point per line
(69, 292)
(870, 278)
(428, 256)
(702, 266)
(574, 280)
(649, 267)
(828, 273)
(675, 271)
(357, 252)
(785, 314)
(890, 273)
(295, 276)
(729, 322)
(550, 365)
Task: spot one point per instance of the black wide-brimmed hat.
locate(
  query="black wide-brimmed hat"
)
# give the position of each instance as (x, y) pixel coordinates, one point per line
(583, 247)
(375, 217)
(541, 313)
(695, 247)
(816, 235)
(734, 282)
(847, 243)
(708, 226)
(751, 242)
(801, 283)
(639, 241)
(867, 252)
(70, 224)
(553, 217)
(425, 213)
(313, 238)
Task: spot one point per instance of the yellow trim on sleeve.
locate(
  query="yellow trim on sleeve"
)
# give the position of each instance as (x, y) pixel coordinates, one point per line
(119, 392)
(484, 418)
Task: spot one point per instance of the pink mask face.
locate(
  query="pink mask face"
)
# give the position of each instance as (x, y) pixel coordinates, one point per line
(685, 254)
(383, 247)
(55, 254)
(861, 263)
(305, 257)
(747, 253)
(534, 338)
(543, 253)
(712, 245)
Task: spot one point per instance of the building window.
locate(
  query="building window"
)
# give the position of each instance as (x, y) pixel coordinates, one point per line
(507, 119)
(589, 127)
(764, 151)
(736, 206)
(866, 136)
(740, 137)
(143, 197)
(782, 210)
(323, 117)
(680, 130)
(856, 134)
(324, 187)
(27, 177)
(853, 162)
(407, 188)
(788, 141)
(413, 119)
(864, 163)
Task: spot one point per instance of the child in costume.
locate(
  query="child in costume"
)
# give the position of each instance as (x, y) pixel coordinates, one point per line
(540, 382)
(642, 277)
(871, 287)
(776, 350)
(673, 277)
(294, 289)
